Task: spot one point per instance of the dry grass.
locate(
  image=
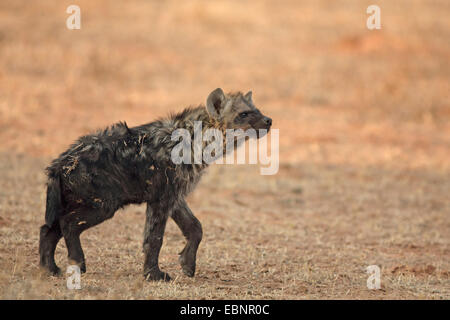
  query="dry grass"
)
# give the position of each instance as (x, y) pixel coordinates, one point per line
(364, 150)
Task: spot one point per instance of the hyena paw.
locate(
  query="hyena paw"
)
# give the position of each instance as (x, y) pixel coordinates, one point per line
(187, 265)
(157, 275)
(55, 271)
(52, 270)
(82, 267)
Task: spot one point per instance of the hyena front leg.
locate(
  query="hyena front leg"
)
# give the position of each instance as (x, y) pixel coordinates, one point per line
(192, 230)
(155, 224)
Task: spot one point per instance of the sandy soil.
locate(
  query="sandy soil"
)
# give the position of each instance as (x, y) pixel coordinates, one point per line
(364, 143)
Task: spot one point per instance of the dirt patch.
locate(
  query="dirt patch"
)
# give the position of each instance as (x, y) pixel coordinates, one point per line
(417, 271)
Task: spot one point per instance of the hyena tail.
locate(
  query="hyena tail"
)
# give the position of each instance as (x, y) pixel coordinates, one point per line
(54, 201)
(50, 232)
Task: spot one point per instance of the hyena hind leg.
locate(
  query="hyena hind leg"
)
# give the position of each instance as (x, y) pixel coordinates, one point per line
(48, 240)
(72, 225)
(192, 230)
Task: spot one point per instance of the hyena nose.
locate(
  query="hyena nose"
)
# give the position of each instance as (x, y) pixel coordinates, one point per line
(268, 121)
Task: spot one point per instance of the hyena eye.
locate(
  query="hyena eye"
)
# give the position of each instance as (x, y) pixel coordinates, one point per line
(243, 114)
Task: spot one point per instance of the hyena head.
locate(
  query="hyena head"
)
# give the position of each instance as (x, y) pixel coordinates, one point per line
(236, 111)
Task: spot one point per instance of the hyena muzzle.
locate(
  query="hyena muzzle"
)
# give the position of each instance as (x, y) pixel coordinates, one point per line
(103, 172)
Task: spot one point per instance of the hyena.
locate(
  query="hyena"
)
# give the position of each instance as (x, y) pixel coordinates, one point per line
(103, 172)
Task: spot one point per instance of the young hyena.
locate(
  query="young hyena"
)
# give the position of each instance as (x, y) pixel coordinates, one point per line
(103, 172)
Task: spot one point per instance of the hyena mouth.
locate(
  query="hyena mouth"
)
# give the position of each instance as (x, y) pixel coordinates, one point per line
(262, 132)
(265, 127)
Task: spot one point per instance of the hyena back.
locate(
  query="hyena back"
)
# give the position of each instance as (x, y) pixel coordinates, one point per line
(106, 171)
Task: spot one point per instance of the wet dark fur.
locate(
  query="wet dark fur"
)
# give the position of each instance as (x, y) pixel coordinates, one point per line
(106, 171)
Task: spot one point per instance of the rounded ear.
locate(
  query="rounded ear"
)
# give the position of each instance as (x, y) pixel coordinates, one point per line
(248, 96)
(215, 103)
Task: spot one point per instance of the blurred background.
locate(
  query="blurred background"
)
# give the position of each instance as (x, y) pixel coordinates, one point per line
(364, 140)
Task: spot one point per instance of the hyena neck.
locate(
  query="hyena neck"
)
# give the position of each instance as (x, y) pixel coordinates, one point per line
(197, 121)
(200, 114)
(189, 116)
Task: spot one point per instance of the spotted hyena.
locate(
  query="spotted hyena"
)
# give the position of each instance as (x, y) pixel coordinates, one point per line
(103, 172)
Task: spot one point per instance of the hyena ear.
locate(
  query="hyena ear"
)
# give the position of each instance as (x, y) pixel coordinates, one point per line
(248, 96)
(215, 103)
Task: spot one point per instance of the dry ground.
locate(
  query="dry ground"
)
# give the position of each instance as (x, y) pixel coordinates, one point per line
(364, 143)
